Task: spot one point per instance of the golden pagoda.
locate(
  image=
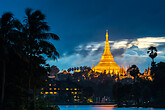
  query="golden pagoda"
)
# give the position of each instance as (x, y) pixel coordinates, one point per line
(107, 63)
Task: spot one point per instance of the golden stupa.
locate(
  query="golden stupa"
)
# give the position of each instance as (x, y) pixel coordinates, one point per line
(107, 63)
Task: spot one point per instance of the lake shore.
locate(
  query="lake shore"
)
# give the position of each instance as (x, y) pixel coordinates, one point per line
(116, 106)
(140, 106)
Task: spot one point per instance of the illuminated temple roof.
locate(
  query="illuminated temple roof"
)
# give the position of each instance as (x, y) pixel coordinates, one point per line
(107, 62)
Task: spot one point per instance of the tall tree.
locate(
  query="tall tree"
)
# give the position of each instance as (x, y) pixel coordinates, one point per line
(152, 51)
(8, 29)
(36, 35)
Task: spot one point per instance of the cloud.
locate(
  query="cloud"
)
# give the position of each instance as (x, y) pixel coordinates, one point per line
(126, 52)
(118, 52)
(149, 41)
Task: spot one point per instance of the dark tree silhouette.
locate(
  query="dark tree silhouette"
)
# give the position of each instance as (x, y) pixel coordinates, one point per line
(152, 51)
(133, 71)
(8, 29)
(37, 44)
(77, 68)
(69, 69)
(158, 83)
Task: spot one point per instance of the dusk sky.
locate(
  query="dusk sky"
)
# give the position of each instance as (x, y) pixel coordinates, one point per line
(133, 25)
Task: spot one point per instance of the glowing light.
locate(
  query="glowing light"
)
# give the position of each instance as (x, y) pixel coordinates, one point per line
(107, 62)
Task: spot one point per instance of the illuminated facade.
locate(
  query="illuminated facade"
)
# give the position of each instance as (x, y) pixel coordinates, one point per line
(68, 89)
(107, 63)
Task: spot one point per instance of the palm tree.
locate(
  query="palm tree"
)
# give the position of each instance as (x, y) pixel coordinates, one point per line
(134, 71)
(8, 31)
(77, 68)
(37, 44)
(152, 51)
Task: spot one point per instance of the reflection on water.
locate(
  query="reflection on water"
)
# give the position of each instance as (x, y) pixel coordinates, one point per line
(99, 107)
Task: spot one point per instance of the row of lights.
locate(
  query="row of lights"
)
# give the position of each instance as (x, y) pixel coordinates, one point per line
(56, 92)
(65, 89)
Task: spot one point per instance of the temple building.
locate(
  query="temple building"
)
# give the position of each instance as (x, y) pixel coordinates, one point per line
(107, 63)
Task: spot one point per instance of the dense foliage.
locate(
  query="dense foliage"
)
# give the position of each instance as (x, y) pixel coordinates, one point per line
(143, 92)
(22, 65)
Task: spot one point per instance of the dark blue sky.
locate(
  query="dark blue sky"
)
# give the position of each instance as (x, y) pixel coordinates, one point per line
(79, 23)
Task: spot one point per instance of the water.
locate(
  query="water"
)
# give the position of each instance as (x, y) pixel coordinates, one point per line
(100, 107)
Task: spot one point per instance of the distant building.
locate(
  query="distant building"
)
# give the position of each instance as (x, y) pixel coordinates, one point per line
(71, 91)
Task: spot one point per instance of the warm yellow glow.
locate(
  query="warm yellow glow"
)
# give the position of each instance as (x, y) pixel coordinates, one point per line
(54, 88)
(75, 88)
(72, 92)
(55, 92)
(50, 88)
(71, 89)
(75, 92)
(49, 84)
(58, 88)
(90, 100)
(106, 63)
(116, 79)
(42, 93)
(46, 92)
(51, 76)
(51, 92)
(67, 89)
(150, 78)
(76, 100)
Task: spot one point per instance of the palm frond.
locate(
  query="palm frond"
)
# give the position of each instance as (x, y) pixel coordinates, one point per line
(38, 15)
(17, 24)
(6, 18)
(28, 11)
(49, 35)
(49, 49)
(44, 26)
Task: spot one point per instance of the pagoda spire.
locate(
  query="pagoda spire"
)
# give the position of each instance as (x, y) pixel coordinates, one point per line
(107, 62)
(107, 53)
(107, 35)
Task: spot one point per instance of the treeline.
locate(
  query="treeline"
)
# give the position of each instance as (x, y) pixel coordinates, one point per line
(22, 65)
(81, 68)
(143, 92)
